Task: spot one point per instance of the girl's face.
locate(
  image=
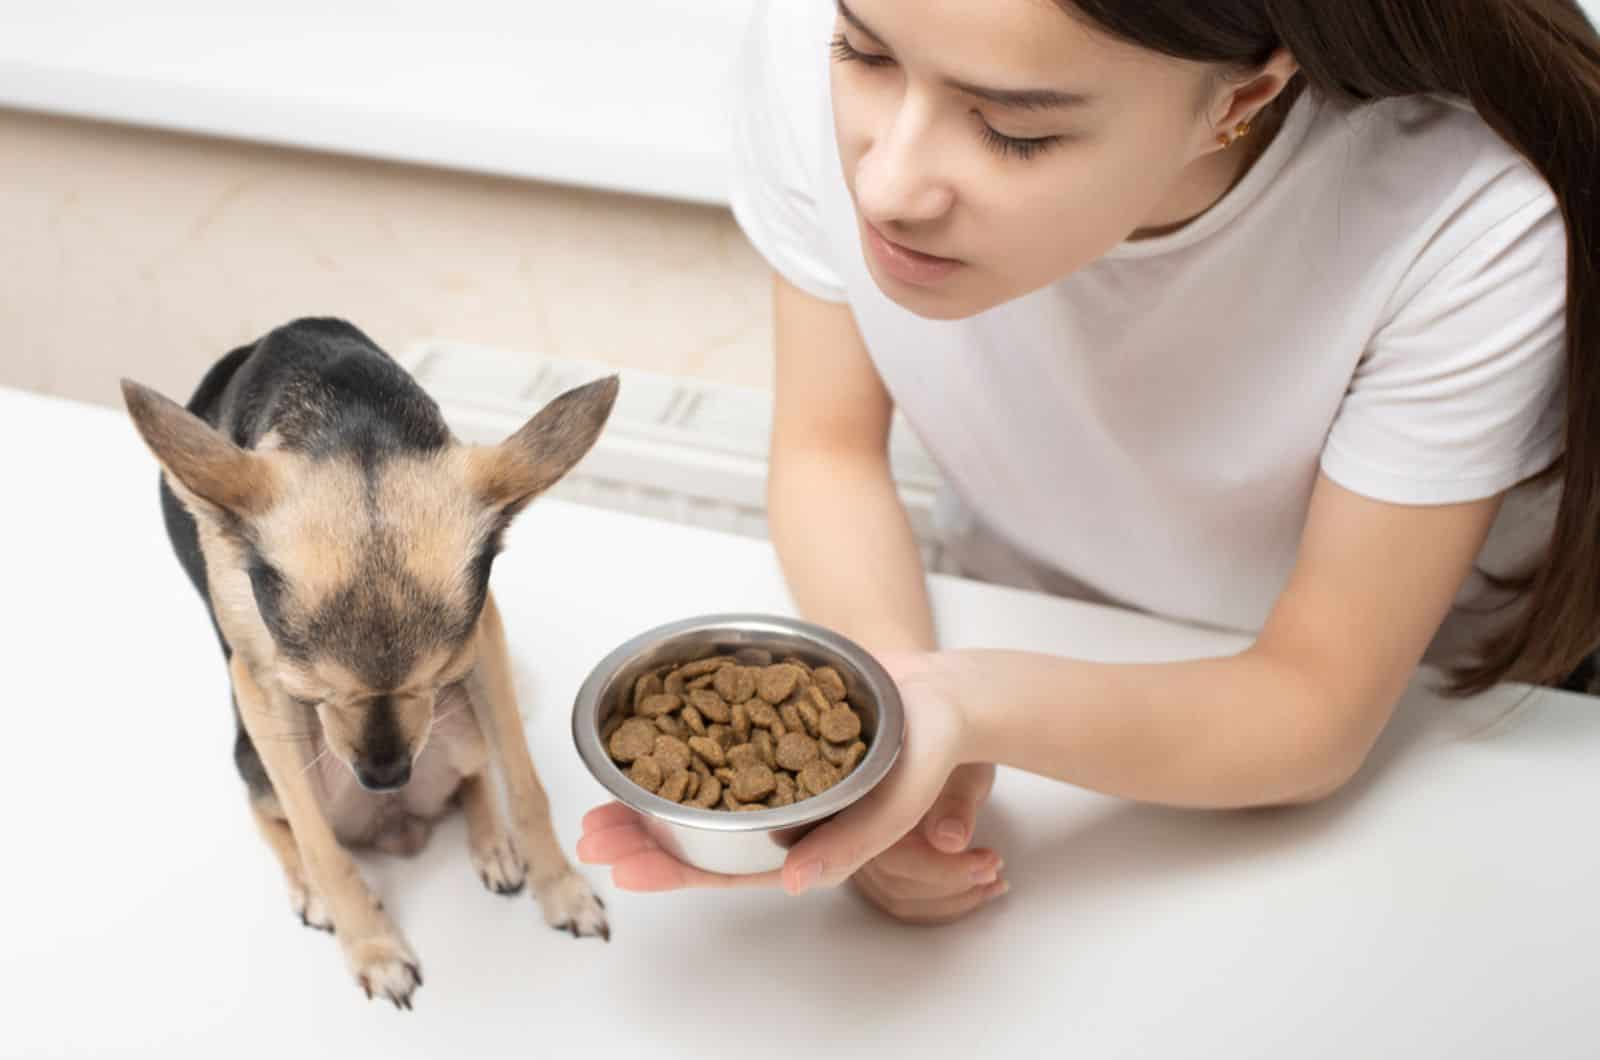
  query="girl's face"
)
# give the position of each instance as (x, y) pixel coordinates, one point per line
(992, 148)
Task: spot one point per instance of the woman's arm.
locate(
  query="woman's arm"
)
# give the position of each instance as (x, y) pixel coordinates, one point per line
(842, 535)
(1287, 720)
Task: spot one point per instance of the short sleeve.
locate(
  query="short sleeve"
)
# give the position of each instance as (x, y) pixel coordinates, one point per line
(780, 114)
(1460, 393)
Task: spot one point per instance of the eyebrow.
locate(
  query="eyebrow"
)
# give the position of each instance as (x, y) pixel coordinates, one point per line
(1019, 98)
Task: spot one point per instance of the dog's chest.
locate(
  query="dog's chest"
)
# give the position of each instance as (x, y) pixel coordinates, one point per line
(358, 816)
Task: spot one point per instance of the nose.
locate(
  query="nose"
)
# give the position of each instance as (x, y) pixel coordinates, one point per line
(385, 773)
(896, 179)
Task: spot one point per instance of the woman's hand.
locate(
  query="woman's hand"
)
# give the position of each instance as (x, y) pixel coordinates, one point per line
(917, 865)
(929, 876)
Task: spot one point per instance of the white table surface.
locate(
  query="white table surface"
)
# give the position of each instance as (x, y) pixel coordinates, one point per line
(624, 95)
(1447, 904)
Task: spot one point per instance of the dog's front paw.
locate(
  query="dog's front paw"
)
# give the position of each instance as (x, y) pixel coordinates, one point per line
(308, 905)
(499, 866)
(385, 967)
(569, 905)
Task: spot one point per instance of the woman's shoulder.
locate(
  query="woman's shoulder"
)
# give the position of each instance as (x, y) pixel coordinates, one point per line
(1432, 160)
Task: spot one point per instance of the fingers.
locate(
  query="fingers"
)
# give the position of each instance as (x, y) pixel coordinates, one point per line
(913, 869)
(950, 822)
(614, 837)
(610, 815)
(835, 851)
(929, 911)
(613, 844)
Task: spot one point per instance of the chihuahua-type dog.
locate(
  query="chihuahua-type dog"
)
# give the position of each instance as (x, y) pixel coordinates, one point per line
(342, 540)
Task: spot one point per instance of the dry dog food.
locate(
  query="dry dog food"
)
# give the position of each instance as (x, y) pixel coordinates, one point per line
(737, 732)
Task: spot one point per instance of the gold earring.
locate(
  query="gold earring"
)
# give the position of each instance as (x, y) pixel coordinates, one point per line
(1239, 132)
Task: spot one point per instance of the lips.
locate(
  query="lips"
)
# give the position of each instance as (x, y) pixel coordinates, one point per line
(907, 264)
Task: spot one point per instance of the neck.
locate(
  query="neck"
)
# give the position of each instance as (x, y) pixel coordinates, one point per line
(1208, 180)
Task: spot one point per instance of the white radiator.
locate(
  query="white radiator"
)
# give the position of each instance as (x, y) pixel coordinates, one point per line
(676, 448)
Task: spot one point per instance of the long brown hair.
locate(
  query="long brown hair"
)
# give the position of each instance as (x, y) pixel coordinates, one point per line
(1531, 69)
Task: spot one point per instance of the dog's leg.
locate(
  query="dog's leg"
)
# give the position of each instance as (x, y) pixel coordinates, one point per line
(494, 854)
(303, 898)
(563, 895)
(377, 954)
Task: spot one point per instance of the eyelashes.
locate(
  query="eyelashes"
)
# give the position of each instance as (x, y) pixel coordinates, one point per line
(1005, 146)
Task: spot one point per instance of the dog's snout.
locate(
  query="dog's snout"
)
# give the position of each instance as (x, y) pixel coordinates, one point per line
(388, 773)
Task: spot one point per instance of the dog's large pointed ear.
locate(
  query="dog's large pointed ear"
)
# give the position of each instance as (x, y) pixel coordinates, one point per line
(205, 462)
(511, 474)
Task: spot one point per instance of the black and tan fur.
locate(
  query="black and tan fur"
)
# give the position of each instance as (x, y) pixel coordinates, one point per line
(342, 540)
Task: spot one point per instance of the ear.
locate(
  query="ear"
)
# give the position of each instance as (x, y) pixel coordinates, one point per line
(512, 473)
(1243, 96)
(207, 464)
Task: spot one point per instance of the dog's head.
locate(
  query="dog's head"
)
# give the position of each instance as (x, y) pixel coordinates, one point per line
(356, 579)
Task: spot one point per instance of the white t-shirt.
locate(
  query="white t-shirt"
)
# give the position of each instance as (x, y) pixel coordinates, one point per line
(1381, 298)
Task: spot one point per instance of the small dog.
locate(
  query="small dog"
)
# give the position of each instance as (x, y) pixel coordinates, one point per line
(342, 541)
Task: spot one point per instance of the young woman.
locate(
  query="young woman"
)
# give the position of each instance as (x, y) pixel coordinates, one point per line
(1278, 315)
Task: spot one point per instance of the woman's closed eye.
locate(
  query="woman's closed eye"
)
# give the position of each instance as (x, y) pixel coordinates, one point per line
(1019, 147)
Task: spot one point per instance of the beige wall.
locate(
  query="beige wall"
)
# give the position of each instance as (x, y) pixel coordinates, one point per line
(149, 254)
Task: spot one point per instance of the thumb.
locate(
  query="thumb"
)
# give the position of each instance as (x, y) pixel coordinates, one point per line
(949, 825)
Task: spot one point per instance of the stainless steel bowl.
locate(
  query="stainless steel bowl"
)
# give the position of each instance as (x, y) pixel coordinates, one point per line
(754, 841)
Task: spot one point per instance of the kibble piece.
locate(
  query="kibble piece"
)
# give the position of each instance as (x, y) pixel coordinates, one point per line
(693, 721)
(841, 725)
(741, 722)
(669, 724)
(834, 752)
(699, 767)
(647, 686)
(708, 749)
(703, 681)
(676, 786)
(799, 664)
(655, 706)
(741, 755)
(692, 787)
(782, 795)
(708, 795)
(674, 683)
(726, 775)
(723, 734)
(646, 773)
(612, 724)
(810, 716)
(729, 802)
(752, 806)
(735, 683)
(753, 657)
(776, 683)
(761, 713)
(832, 685)
(817, 777)
(852, 757)
(766, 747)
(700, 667)
(672, 753)
(815, 697)
(792, 720)
(635, 737)
(710, 705)
(754, 782)
(796, 750)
